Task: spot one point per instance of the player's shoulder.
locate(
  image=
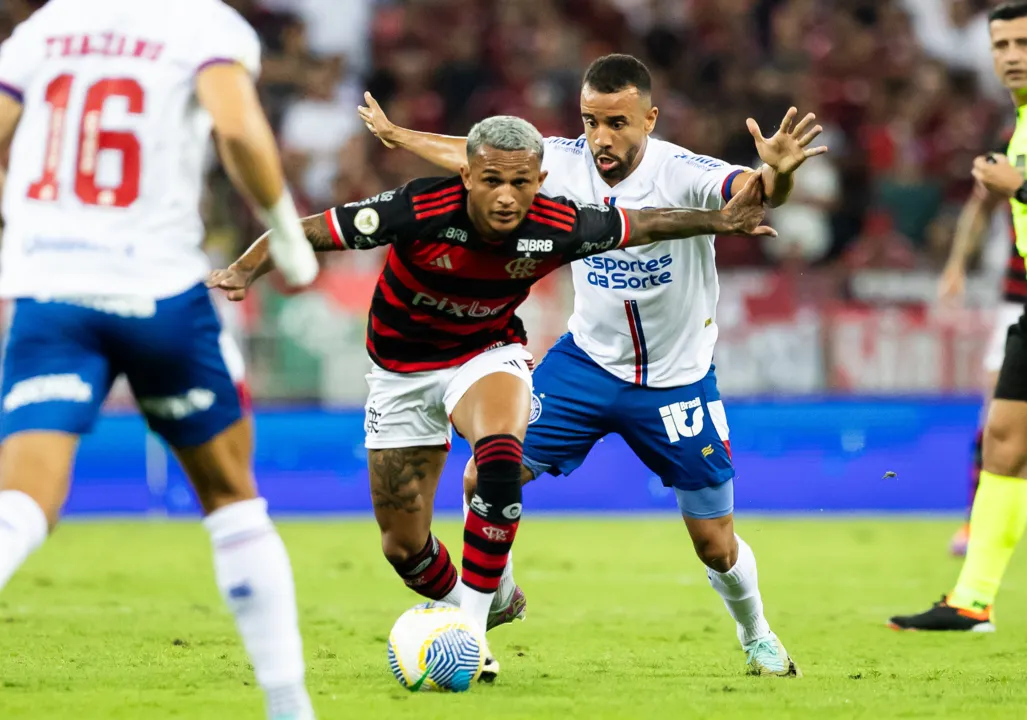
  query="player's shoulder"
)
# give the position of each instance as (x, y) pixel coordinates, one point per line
(558, 214)
(571, 147)
(422, 201)
(564, 154)
(426, 185)
(433, 197)
(417, 190)
(42, 20)
(204, 30)
(676, 159)
(223, 16)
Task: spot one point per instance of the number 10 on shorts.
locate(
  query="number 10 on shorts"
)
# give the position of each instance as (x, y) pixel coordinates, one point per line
(675, 419)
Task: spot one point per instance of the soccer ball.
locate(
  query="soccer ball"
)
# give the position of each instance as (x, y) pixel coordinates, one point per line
(434, 647)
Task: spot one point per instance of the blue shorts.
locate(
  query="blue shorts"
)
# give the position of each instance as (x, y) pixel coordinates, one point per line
(679, 433)
(62, 357)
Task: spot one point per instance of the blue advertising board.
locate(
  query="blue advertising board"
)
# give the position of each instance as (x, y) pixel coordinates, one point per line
(817, 455)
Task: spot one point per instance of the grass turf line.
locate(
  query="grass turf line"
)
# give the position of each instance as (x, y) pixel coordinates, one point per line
(121, 620)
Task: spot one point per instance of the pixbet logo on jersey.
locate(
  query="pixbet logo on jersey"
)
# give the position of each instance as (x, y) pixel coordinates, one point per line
(608, 272)
(474, 309)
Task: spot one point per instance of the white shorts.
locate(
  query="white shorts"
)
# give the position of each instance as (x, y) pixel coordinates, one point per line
(1008, 313)
(413, 409)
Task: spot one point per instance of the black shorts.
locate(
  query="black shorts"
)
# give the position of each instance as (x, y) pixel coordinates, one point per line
(1012, 378)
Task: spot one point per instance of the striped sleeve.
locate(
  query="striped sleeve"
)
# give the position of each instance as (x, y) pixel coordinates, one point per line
(596, 229)
(392, 216)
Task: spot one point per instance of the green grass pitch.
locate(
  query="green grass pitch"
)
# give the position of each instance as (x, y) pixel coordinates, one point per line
(121, 620)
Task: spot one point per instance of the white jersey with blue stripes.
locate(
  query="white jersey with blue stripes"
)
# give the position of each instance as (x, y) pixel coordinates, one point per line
(106, 170)
(647, 314)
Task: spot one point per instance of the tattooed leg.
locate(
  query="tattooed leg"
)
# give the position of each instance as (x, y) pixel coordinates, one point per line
(403, 484)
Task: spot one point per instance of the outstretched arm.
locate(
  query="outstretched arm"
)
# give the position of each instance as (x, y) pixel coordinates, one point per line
(742, 216)
(248, 151)
(446, 151)
(970, 228)
(783, 153)
(256, 262)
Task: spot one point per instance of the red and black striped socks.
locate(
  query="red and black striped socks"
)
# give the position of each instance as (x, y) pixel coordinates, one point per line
(491, 524)
(430, 572)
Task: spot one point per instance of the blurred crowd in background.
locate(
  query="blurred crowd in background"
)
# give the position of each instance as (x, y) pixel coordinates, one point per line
(903, 88)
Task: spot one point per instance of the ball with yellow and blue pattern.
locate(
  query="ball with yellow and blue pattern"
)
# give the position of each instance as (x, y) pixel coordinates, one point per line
(434, 647)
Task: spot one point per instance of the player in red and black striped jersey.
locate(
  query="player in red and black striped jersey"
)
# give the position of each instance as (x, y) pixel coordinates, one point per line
(447, 346)
(448, 291)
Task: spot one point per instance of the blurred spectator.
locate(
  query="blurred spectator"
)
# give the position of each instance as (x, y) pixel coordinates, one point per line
(315, 129)
(956, 32)
(804, 222)
(903, 88)
(880, 246)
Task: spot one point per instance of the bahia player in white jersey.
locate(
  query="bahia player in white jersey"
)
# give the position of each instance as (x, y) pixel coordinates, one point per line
(638, 360)
(111, 104)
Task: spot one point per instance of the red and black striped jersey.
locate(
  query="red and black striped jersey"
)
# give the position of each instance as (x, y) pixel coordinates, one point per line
(446, 293)
(1014, 282)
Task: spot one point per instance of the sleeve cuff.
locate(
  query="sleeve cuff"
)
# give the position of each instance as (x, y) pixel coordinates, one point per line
(725, 189)
(12, 92)
(335, 230)
(216, 61)
(625, 228)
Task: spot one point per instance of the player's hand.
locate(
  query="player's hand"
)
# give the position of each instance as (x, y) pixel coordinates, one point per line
(952, 284)
(788, 148)
(996, 174)
(233, 280)
(376, 121)
(743, 215)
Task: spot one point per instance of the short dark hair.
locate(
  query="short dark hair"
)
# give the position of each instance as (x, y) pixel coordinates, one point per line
(613, 73)
(1009, 11)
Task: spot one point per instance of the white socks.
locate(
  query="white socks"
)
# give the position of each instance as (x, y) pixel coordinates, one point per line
(456, 595)
(23, 528)
(741, 593)
(255, 578)
(504, 594)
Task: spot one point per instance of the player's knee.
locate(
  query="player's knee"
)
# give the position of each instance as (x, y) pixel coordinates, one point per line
(717, 549)
(38, 464)
(470, 478)
(220, 469)
(1004, 448)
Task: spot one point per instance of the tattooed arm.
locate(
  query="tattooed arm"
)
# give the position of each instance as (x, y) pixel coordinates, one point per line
(256, 261)
(380, 220)
(743, 216)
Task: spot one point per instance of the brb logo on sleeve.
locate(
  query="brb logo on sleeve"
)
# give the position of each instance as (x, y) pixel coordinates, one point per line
(616, 274)
(675, 419)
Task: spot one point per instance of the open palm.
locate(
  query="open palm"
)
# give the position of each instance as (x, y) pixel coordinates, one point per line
(788, 148)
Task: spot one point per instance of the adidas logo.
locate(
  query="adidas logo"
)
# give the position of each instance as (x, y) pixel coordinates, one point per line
(442, 262)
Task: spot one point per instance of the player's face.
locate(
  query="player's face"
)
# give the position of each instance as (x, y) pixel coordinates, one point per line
(1009, 52)
(501, 185)
(616, 126)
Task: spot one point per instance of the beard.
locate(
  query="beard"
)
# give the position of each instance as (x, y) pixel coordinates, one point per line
(622, 165)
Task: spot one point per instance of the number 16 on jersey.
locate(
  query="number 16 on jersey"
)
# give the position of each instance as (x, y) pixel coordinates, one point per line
(91, 139)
